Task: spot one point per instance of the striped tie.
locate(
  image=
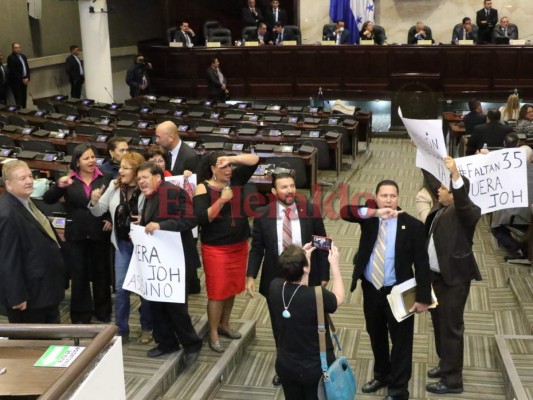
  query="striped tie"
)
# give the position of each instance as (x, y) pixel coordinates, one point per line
(378, 263)
(287, 229)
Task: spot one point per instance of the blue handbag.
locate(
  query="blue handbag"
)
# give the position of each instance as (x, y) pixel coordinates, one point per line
(338, 381)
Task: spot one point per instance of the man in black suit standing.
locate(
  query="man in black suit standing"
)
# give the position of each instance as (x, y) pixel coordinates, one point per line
(3, 81)
(216, 82)
(475, 117)
(250, 14)
(267, 236)
(451, 231)
(491, 134)
(185, 35)
(169, 208)
(32, 276)
(275, 14)
(180, 160)
(74, 69)
(137, 76)
(19, 74)
(391, 242)
(486, 19)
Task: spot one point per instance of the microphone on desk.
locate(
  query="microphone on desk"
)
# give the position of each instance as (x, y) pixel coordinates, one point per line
(110, 95)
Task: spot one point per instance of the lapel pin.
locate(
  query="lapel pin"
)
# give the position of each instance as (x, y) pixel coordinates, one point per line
(403, 226)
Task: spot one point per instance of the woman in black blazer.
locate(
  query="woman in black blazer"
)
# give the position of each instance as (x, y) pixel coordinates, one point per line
(86, 249)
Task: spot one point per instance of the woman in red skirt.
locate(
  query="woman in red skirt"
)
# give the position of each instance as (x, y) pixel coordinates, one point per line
(224, 236)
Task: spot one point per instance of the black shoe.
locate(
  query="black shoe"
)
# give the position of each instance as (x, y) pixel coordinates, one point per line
(395, 398)
(434, 373)
(373, 386)
(157, 351)
(276, 381)
(441, 388)
(190, 358)
(514, 256)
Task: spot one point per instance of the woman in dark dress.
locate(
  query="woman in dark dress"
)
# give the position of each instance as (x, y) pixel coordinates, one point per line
(292, 307)
(86, 249)
(224, 236)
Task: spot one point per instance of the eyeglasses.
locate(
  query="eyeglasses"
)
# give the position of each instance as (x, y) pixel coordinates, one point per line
(159, 161)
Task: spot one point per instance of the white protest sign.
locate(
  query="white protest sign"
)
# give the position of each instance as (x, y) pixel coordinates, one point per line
(430, 147)
(498, 180)
(157, 267)
(179, 180)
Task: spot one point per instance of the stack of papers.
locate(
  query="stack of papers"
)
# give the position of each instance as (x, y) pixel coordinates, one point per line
(403, 296)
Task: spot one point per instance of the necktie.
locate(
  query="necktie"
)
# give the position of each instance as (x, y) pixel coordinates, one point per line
(287, 229)
(464, 34)
(188, 40)
(378, 262)
(79, 63)
(24, 71)
(168, 161)
(505, 32)
(40, 217)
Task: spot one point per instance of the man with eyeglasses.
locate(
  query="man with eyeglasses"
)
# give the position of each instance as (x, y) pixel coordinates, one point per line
(271, 234)
(116, 147)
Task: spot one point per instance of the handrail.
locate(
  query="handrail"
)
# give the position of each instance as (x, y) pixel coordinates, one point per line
(102, 335)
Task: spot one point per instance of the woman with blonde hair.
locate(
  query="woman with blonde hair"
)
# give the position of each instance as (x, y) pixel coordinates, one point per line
(511, 109)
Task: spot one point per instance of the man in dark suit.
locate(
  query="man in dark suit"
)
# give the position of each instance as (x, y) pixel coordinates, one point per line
(492, 133)
(180, 160)
(185, 35)
(267, 237)
(451, 231)
(391, 242)
(505, 29)
(340, 35)
(279, 34)
(32, 282)
(137, 76)
(261, 35)
(216, 82)
(465, 31)
(74, 69)
(3, 81)
(275, 14)
(250, 14)
(474, 117)
(18, 74)
(486, 19)
(419, 32)
(169, 208)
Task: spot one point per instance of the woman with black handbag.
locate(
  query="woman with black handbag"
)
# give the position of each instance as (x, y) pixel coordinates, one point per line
(124, 200)
(293, 311)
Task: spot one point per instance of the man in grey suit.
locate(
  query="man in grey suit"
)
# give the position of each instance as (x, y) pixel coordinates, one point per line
(465, 31)
(505, 29)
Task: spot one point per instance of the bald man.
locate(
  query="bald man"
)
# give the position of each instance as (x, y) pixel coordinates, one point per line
(180, 160)
(181, 157)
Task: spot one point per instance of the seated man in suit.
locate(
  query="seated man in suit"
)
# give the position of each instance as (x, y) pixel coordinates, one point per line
(465, 31)
(261, 35)
(486, 19)
(185, 35)
(340, 35)
(474, 117)
(250, 14)
(268, 236)
(420, 32)
(491, 134)
(275, 14)
(279, 34)
(504, 29)
(32, 276)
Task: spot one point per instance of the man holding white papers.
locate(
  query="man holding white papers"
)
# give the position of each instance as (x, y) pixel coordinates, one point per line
(451, 230)
(392, 241)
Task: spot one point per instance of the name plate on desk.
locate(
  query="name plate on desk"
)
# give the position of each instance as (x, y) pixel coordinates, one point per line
(175, 44)
(466, 42)
(212, 44)
(366, 42)
(424, 42)
(517, 42)
(290, 43)
(327, 42)
(251, 44)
